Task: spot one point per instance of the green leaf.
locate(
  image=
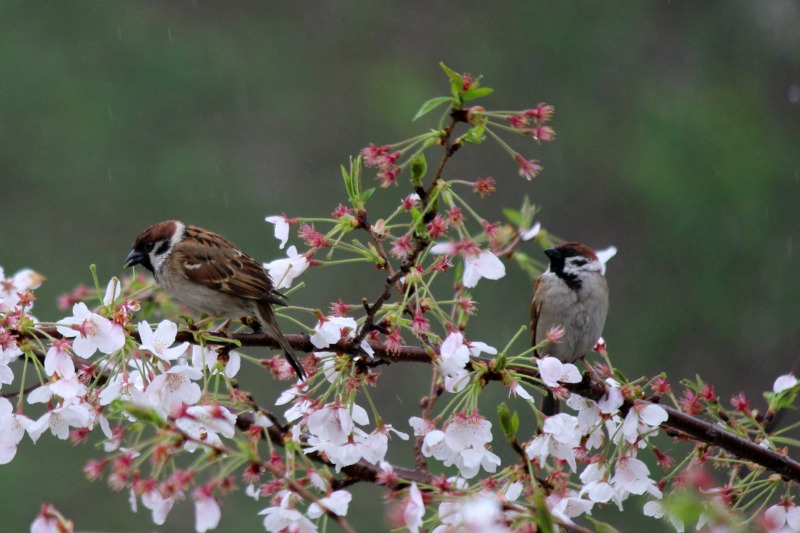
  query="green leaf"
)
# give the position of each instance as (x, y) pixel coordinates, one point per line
(452, 74)
(543, 517)
(474, 135)
(476, 92)
(509, 422)
(419, 167)
(366, 194)
(513, 216)
(602, 527)
(432, 104)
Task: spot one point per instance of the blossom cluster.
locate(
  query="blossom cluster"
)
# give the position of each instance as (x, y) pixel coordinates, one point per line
(163, 396)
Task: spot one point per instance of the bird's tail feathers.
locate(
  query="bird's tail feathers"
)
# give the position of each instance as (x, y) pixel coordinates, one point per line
(267, 320)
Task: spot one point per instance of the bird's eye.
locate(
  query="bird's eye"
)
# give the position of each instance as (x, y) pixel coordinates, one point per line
(579, 262)
(149, 247)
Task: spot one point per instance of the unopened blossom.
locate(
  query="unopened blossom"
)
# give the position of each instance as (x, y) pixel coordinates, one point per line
(158, 343)
(204, 422)
(91, 332)
(330, 330)
(281, 228)
(784, 382)
(413, 509)
(207, 511)
(337, 502)
(283, 518)
(553, 372)
(113, 290)
(641, 421)
(284, 271)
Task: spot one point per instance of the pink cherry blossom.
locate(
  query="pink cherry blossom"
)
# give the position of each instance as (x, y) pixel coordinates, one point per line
(159, 343)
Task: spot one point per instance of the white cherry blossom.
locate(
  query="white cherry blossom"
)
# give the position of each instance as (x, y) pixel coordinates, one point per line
(332, 329)
(281, 228)
(91, 332)
(553, 372)
(283, 271)
(413, 509)
(158, 343)
(336, 502)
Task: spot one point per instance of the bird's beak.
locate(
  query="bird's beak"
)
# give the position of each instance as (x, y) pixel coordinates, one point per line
(553, 253)
(135, 258)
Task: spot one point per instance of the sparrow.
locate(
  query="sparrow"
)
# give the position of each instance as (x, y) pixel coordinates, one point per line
(206, 271)
(571, 293)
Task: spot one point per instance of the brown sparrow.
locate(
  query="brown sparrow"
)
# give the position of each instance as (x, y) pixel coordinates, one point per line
(206, 271)
(571, 293)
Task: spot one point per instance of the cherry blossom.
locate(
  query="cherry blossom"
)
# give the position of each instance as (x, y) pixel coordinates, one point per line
(126, 386)
(207, 511)
(632, 476)
(283, 518)
(49, 520)
(209, 358)
(560, 435)
(159, 343)
(174, 387)
(641, 421)
(482, 513)
(204, 422)
(568, 505)
(483, 265)
(58, 361)
(113, 290)
(605, 255)
(10, 288)
(530, 233)
(283, 271)
(59, 420)
(784, 382)
(453, 358)
(91, 332)
(553, 372)
(330, 330)
(12, 429)
(158, 505)
(336, 502)
(783, 517)
(281, 228)
(413, 509)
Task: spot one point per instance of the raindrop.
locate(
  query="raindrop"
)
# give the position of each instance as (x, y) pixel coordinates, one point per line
(109, 175)
(789, 247)
(110, 112)
(169, 35)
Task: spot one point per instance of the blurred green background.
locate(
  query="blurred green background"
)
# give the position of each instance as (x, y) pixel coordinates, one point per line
(678, 141)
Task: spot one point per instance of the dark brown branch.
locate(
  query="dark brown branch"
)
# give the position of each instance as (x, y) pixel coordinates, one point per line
(594, 389)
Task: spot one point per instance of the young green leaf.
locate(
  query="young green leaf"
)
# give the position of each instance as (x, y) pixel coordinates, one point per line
(432, 104)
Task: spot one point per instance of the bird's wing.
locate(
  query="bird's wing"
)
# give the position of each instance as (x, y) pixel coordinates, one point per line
(219, 265)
